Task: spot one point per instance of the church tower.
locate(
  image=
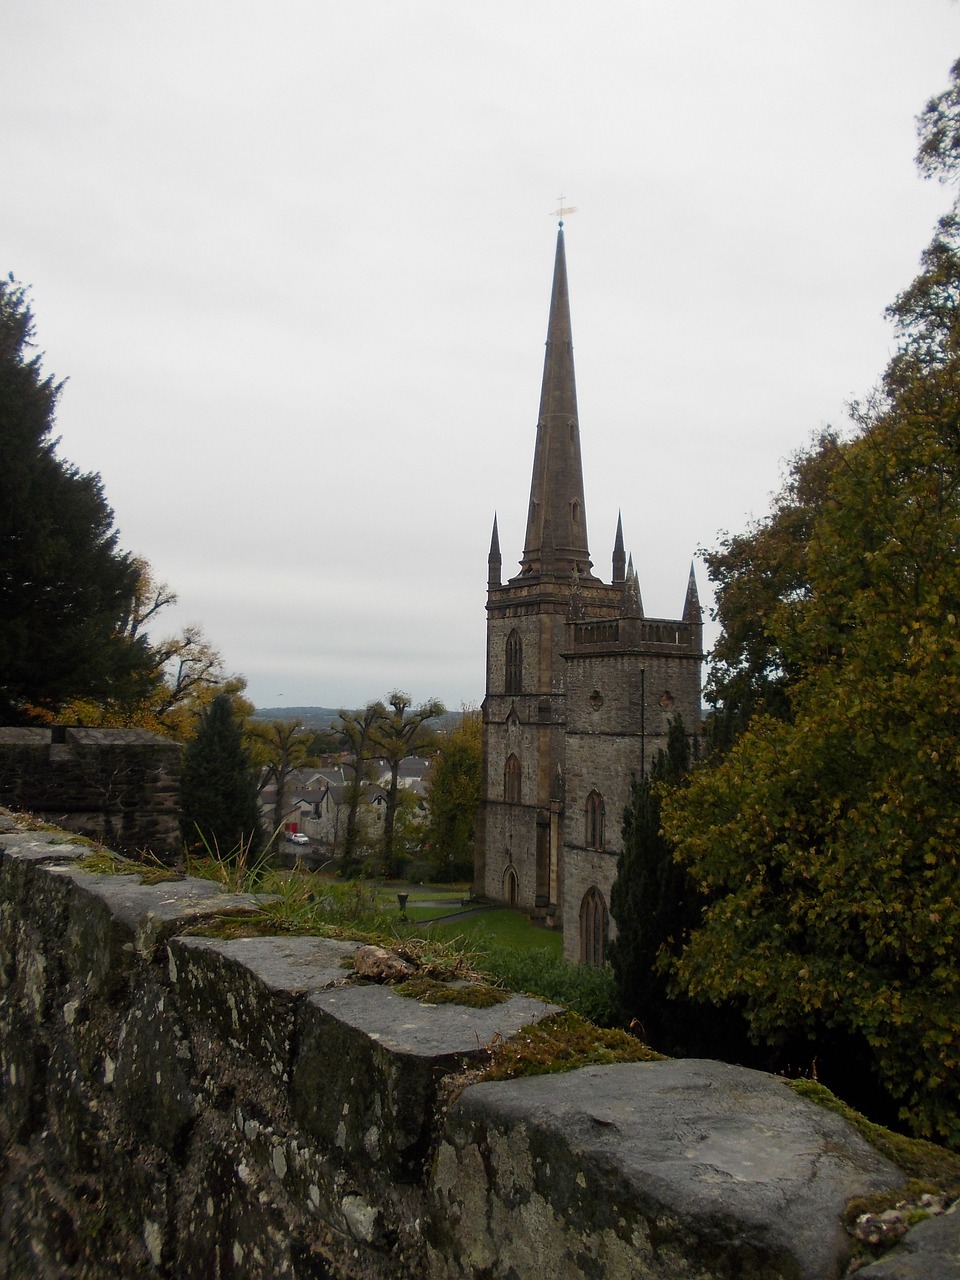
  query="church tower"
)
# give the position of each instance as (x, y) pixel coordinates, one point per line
(557, 753)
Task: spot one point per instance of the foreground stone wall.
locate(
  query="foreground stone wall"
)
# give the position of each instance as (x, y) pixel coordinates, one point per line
(178, 1106)
(118, 786)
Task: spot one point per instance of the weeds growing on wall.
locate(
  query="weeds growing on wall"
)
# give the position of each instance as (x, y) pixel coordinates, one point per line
(105, 862)
(241, 869)
(293, 903)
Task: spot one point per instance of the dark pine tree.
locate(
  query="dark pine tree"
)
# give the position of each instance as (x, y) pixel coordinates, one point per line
(656, 906)
(218, 791)
(651, 899)
(66, 591)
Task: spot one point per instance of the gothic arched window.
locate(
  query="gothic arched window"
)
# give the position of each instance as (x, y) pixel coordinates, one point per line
(594, 815)
(594, 926)
(511, 780)
(514, 663)
(511, 886)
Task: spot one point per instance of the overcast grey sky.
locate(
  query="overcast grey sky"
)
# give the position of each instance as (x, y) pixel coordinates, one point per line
(295, 260)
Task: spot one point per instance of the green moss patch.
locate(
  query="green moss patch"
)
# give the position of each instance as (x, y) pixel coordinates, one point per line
(104, 862)
(930, 1168)
(562, 1043)
(430, 991)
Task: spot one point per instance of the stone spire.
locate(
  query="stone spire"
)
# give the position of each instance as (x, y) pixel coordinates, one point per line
(632, 604)
(691, 605)
(619, 562)
(494, 560)
(556, 540)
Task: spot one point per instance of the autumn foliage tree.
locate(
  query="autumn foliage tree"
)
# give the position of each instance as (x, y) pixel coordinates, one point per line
(454, 800)
(181, 673)
(759, 575)
(826, 839)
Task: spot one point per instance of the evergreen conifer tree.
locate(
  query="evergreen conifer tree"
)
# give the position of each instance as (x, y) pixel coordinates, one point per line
(218, 792)
(66, 590)
(650, 899)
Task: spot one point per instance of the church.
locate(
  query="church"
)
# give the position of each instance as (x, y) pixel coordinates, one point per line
(581, 686)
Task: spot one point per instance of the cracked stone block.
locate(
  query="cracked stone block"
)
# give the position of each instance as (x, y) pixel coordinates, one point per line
(661, 1169)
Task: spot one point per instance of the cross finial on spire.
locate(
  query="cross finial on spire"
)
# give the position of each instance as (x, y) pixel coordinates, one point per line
(564, 209)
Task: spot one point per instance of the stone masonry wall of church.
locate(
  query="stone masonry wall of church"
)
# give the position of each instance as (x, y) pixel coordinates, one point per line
(498, 630)
(582, 870)
(604, 747)
(510, 831)
(618, 679)
(511, 841)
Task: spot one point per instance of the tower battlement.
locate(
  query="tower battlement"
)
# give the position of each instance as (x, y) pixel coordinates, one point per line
(636, 633)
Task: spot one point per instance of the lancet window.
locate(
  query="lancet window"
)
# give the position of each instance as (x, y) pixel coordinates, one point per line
(594, 927)
(514, 663)
(511, 780)
(594, 821)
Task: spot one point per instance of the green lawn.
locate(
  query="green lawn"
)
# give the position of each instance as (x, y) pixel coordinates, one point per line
(501, 927)
(497, 941)
(427, 912)
(496, 926)
(424, 901)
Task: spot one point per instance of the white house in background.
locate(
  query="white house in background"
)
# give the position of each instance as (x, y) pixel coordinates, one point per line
(316, 800)
(413, 771)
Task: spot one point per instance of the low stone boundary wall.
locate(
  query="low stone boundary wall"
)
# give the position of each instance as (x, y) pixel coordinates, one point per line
(118, 786)
(177, 1106)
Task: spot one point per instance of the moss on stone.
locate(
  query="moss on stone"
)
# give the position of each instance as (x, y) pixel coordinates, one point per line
(429, 991)
(562, 1043)
(261, 922)
(930, 1167)
(880, 1201)
(105, 862)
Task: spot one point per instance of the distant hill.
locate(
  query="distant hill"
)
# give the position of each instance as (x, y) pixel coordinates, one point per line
(324, 717)
(314, 717)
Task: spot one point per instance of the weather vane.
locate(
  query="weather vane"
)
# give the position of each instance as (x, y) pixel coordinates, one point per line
(564, 209)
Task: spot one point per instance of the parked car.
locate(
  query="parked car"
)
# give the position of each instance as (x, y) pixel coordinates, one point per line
(297, 837)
